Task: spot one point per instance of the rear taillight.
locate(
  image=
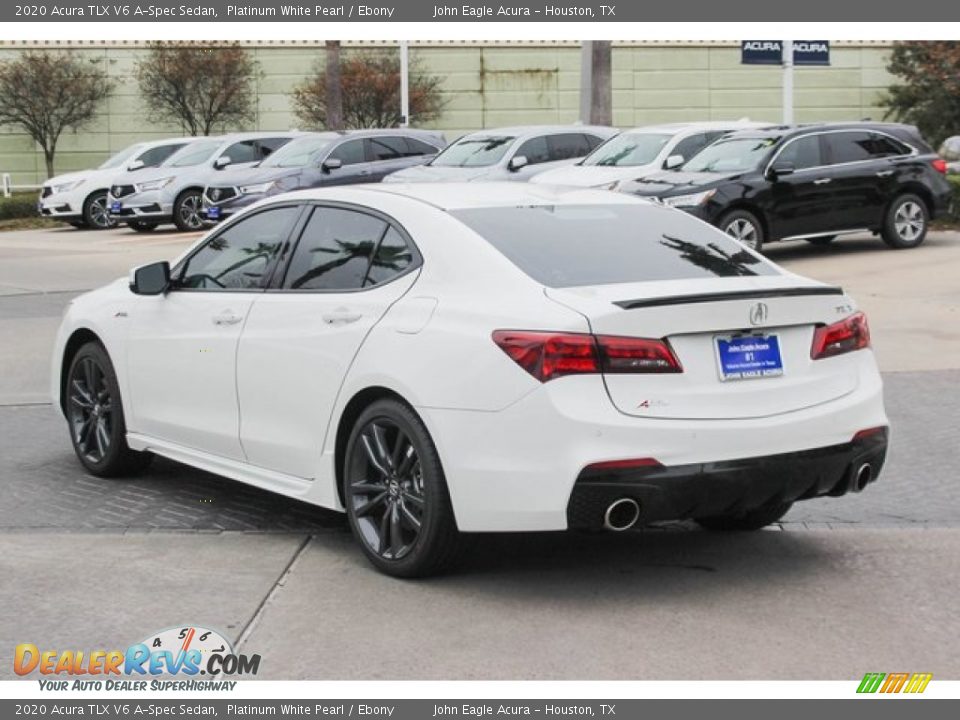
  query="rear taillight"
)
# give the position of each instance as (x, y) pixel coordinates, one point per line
(547, 355)
(841, 337)
(628, 464)
(940, 165)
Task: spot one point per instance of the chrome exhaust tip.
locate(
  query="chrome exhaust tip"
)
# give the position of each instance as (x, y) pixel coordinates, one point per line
(622, 514)
(863, 476)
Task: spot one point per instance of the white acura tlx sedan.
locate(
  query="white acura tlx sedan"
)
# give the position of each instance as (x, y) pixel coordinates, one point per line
(442, 359)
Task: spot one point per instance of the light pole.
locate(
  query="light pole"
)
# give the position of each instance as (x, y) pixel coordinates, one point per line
(788, 82)
(404, 85)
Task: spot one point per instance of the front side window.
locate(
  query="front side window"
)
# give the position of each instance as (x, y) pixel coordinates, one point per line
(418, 147)
(804, 152)
(115, 161)
(334, 250)
(475, 151)
(240, 257)
(690, 146)
(535, 150)
(155, 156)
(267, 146)
(388, 148)
(242, 152)
(349, 153)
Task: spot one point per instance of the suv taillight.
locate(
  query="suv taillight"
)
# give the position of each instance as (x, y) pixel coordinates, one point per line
(548, 355)
(841, 337)
(940, 165)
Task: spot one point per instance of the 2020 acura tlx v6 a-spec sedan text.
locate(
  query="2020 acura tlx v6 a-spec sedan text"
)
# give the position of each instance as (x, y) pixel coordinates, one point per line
(439, 359)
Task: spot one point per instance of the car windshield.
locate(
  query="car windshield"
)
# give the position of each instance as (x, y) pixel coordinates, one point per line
(475, 151)
(193, 154)
(628, 150)
(627, 243)
(121, 157)
(301, 152)
(732, 155)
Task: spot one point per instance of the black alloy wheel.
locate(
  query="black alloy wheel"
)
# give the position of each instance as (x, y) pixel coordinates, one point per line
(396, 495)
(95, 213)
(186, 211)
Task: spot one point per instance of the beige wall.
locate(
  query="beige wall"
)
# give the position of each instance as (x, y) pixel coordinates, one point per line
(498, 84)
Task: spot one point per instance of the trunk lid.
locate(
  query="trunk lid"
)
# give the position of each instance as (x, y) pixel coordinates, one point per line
(691, 316)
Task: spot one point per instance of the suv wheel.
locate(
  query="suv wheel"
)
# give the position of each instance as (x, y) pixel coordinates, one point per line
(95, 214)
(396, 494)
(744, 227)
(186, 211)
(905, 225)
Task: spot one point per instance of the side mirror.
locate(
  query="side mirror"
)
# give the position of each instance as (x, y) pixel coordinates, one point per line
(222, 162)
(674, 161)
(152, 279)
(781, 169)
(135, 165)
(517, 162)
(332, 164)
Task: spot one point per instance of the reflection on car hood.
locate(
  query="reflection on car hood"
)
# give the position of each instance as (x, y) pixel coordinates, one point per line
(250, 176)
(434, 173)
(676, 183)
(591, 175)
(95, 175)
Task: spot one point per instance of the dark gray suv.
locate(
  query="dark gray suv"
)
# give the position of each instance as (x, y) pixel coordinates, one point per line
(321, 159)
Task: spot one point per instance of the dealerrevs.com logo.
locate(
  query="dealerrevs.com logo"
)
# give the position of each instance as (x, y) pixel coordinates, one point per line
(892, 683)
(187, 652)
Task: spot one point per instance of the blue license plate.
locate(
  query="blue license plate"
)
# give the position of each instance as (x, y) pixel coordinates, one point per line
(749, 356)
(115, 206)
(213, 213)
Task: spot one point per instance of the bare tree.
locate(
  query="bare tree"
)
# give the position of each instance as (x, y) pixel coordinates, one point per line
(46, 93)
(198, 86)
(334, 88)
(370, 86)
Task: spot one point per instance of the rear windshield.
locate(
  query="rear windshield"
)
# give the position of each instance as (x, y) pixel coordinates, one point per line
(576, 245)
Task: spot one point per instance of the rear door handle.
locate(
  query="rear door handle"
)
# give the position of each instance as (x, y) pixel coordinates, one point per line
(822, 181)
(885, 173)
(341, 316)
(227, 317)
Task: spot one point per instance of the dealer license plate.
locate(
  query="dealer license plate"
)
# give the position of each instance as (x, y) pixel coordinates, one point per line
(749, 356)
(115, 206)
(213, 213)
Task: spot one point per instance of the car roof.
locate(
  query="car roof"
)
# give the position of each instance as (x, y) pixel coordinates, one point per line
(471, 195)
(527, 130)
(680, 127)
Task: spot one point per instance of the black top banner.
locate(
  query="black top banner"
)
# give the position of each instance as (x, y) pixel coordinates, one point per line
(510, 11)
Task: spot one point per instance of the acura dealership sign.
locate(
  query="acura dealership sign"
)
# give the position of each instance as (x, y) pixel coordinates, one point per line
(770, 52)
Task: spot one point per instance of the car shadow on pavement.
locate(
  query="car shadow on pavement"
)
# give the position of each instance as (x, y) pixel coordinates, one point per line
(861, 244)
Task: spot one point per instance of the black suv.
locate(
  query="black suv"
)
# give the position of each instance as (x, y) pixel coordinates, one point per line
(810, 182)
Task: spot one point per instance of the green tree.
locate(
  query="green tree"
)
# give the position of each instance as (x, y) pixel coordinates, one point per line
(198, 86)
(370, 92)
(928, 94)
(45, 93)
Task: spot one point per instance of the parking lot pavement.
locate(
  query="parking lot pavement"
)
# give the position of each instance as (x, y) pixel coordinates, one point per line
(871, 578)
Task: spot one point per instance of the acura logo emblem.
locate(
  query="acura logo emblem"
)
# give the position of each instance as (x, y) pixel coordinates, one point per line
(758, 314)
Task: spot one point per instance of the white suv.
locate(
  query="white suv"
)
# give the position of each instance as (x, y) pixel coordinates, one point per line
(642, 151)
(80, 198)
(173, 191)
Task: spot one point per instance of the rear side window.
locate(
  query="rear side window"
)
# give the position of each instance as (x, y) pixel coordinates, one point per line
(861, 145)
(577, 245)
(334, 250)
(567, 146)
(393, 256)
(418, 147)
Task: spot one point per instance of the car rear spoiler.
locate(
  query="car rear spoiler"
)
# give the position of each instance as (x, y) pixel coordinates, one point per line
(723, 296)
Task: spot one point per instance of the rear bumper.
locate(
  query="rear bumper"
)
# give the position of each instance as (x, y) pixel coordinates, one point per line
(729, 487)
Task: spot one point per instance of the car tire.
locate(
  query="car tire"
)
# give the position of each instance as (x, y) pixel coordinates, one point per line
(94, 413)
(744, 227)
(95, 214)
(396, 494)
(906, 222)
(822, 241)
(142, 227)
(751, 520)
(186, 211)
